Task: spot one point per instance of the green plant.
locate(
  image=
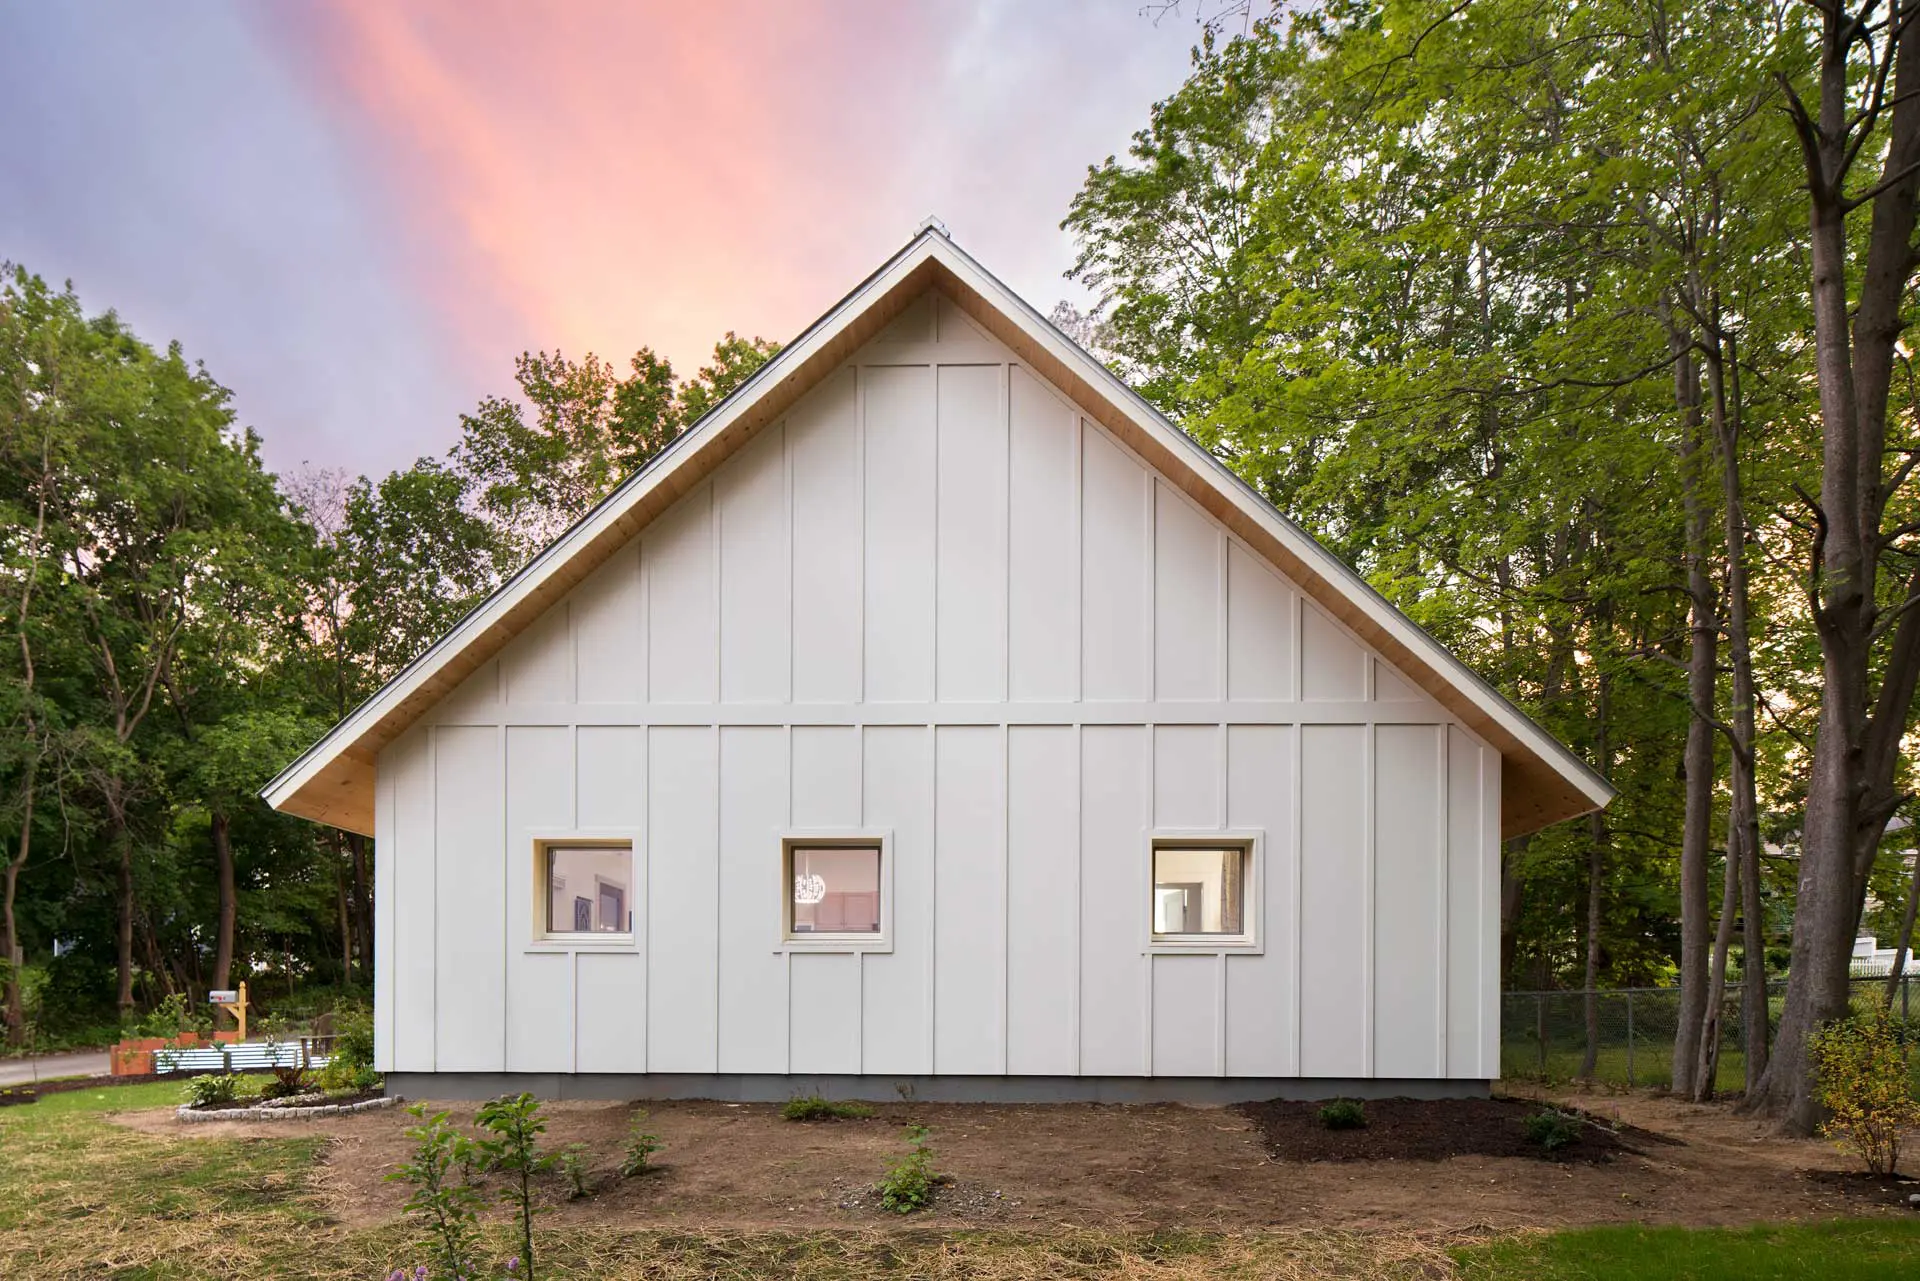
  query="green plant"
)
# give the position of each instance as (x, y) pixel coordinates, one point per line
(450, 1209)
(1344, 1114)
(171, 1018)
(812, 1107)
(641, 1145)
(1550, 1129)
(352, 1036)
(1862, 1079)
(514, 1126)
(573, 1164)
(287, 1081)
(205, 1091)
(909, 1181)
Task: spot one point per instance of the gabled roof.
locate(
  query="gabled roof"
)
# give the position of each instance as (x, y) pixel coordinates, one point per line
(333, 782)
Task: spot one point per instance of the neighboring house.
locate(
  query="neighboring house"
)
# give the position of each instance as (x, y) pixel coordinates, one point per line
(936, 717)
(1871, 961)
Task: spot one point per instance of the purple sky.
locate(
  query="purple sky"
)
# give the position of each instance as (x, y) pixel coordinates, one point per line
(358, 213)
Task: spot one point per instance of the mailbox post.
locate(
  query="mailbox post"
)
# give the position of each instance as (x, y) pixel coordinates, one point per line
(234, 1003)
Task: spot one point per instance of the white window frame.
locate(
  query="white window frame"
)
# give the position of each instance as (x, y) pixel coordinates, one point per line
(801, 838)
(539, 842)
(1251, 940)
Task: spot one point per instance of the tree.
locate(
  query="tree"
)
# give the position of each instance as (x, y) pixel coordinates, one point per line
(1858, 127)
(591, 428)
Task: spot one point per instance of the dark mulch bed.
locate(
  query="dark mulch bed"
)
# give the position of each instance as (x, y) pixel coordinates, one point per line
(1432, 1130)
(1880, 1189)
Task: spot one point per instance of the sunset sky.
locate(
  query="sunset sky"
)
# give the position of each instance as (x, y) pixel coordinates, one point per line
(357, 213)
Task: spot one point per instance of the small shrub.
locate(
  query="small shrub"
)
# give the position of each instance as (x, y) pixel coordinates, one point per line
(1550, 1129)
(1861, 1079)
(285, 1083)
(641, 1145)
(909, 1181)
(350, 1062)
(205, 1091)
(353, 1036)
(573, 1165)
(450, 1210)
(812, 1107)
(1344, 1114)
(170, 1018)
(514, 1126)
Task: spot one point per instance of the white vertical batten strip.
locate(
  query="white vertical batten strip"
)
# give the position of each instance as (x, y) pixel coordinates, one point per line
(1079, 886)
(1443, 827)
(715, 532)
(888, 880)
(933, 887)
(1369, 833)
(1006, 729)
(1151, 676)
(1298, 676)
(1487, 856)
(860, 560)
(933, 685)
(1079, 734)
(1006, 536)
(780, 902)
(573, 825)
(1144, 902)
(1252, 880)
(433, 795)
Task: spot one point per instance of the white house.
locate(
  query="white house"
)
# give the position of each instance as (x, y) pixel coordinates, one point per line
(936, 717)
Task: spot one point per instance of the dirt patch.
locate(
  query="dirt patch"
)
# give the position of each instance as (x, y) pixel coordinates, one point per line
(1434, 1130)
(731, 1167)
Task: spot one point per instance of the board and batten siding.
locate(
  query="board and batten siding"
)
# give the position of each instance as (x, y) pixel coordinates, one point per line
(937, 600)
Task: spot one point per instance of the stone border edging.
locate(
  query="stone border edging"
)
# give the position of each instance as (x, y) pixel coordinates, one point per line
(187, 1112)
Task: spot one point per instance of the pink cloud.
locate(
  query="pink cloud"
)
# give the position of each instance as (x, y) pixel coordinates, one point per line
(597, 175)
(605, 174)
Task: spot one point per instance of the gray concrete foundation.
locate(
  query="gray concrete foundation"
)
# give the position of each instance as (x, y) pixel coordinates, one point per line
(755, 1088)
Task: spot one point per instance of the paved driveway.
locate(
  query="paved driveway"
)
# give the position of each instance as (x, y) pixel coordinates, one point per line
(22, 1071)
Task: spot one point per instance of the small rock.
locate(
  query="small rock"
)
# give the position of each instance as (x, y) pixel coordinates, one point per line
(1913, 1199)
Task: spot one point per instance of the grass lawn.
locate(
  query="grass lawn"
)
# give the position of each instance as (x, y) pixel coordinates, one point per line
(1838, 1251)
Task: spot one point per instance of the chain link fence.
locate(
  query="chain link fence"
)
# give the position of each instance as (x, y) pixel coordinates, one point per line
(1543, 1035)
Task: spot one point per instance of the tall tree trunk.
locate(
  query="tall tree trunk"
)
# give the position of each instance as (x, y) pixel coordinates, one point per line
(123, 901)
(346, 922)
(1849, 793)
(1512, 896)
(229, 907)
(11, 953)
(1703, 657)
(1597, 842)
(1707, 1069)
(1743, 817)
(362, 899)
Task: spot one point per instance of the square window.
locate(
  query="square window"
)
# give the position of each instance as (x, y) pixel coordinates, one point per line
(832, 890)
(1200, 890)
(589, 888)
